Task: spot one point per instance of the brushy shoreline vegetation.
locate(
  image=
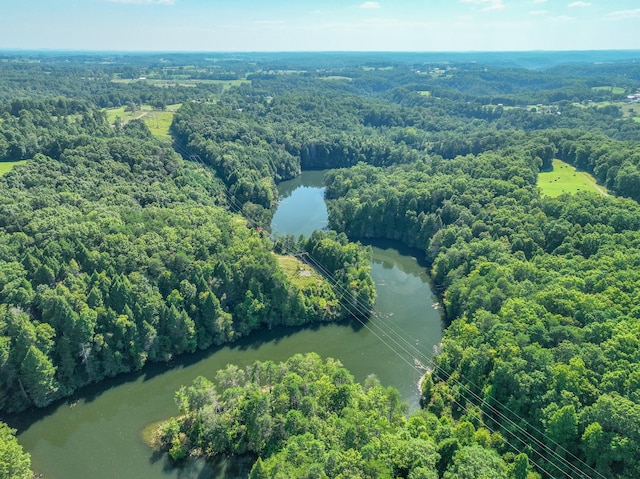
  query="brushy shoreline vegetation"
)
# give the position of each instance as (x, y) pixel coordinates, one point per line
(307, 418)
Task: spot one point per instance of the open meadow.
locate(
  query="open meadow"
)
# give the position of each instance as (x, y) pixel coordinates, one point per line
(614, 90)
(7, 166)
(631, 110)
(298, 272)
(158, 121)
(186, 82)
(564, 178)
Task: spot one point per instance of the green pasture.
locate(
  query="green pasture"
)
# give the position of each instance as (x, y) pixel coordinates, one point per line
(631, 110)
(615, 90)
(157, 121)
(126, 116)
(564, 178)
(7, 166)
(337, 77)
(226, 84)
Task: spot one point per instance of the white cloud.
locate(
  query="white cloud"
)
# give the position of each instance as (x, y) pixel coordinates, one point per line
(563, 19)
(623, 14)
(538, 12)
(369, 25)
(539, 1)
(370, 5)
(579, 4)
(486, 5)
(269, 23)
(145, 2)
(396, 23)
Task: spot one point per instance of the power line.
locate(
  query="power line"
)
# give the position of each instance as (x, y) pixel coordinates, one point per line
(396, 337)
(337, 285)
(489, 406)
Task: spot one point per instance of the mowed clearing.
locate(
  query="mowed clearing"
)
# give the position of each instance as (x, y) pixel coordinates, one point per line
(564, 178)
(299, 273)
(631, 110)
(7, 166)
(157, 121)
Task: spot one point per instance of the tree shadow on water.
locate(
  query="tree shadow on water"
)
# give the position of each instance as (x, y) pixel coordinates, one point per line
(89, 393)
(233, 467)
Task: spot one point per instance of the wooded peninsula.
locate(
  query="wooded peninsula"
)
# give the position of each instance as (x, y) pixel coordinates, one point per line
(136, 197)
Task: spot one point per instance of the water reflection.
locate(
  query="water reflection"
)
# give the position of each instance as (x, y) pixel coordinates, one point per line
(100, 436)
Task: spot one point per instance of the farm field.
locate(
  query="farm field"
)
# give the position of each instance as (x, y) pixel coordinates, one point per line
(126, 116)
(226, 84)
(7, 166)
(615, 90)
(157, 121)
(631, 110)
(337, 77)
(564, 178)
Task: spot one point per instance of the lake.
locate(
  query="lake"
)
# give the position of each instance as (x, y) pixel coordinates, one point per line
(97, 434)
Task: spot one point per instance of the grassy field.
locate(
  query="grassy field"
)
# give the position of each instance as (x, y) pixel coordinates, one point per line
(126, 116)
(631, 110)
(226, 84)
(158, 122)
(337, 77)
(7, 166)
(299, 273)
(425, 92)
(564, 178)
(615, 90)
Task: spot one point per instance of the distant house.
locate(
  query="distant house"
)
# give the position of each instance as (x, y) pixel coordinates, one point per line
(635, 98)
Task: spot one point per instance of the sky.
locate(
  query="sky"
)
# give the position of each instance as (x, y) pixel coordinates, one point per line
(319, 25)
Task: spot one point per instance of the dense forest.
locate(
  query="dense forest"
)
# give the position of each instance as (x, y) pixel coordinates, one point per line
(115, 253)
(119, 247)
(308, 418)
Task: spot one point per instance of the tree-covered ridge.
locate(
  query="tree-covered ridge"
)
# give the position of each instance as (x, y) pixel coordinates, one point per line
(541, 294)
(116, 254)
(243, 152)
(261, 134)
(307, 418)
(114, 251)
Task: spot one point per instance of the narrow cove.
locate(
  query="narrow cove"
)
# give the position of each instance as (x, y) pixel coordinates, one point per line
(98, 434)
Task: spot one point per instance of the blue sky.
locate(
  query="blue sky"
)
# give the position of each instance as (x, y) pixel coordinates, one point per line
(320, 25)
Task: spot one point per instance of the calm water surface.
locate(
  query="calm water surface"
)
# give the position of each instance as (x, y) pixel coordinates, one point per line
(98, 434)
